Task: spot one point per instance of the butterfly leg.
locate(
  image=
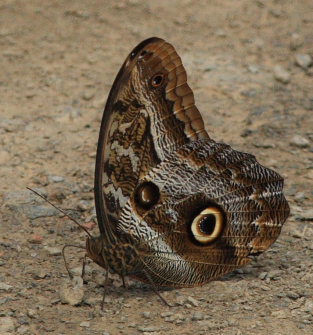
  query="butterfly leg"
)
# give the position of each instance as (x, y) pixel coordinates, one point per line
(84, 266)
(155, 290)
(105, 288)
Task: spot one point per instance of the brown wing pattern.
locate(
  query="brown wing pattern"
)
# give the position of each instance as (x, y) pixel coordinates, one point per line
(149, 113)
(213, 207)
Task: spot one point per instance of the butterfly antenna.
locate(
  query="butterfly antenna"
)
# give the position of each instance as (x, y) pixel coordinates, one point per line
(60, 210)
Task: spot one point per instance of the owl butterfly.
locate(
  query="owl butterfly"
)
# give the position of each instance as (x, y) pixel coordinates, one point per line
(174, 207)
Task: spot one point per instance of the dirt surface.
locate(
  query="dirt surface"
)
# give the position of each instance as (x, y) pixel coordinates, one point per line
(249, 65)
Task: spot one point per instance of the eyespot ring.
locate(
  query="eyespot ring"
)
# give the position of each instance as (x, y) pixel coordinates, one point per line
(157, 80)
(208, 225)
(147, 195)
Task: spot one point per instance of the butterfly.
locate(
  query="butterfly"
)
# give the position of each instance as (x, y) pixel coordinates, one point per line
(174, 207)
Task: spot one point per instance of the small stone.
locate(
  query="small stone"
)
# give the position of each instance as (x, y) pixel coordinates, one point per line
(32, 313)
(150, 329)
(72, 291)
(105, 333)
(88, 95)
(147, 315)
(197, 316)
(274, 274)
(85, 324)
(35, 239)
(192, 301)
(303, 60)
(299, 141)
(293, 295)
(40, 274)
(306, 215)
(308, 306)
(166, 314)
(295, 41)
(280, 314)
(281, 74)
(263, 275)
(5, 287)
(23, 329)
(35, 212)
(300, 196)
(55, 179)
(7, 324)
(253, 68)
(53, 251)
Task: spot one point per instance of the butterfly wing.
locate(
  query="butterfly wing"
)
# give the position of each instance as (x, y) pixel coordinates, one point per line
(149, 113)
(191, 208)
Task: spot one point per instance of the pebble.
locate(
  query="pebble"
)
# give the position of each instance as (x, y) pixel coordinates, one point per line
(253, 68)
(299, 141)
(280, 314)
(7, 324)
(55, 179)
(306, 215)
(263, 275)
(281, 74)
(35, 239)
(40, 274)
(308, 306)
(292, 295)
(192, 301)
(303, 60)
(147, 315)
(72, 292)
(5, 287)
(150, 329)
(295, 41)
(35, 212)
(32, 313)
(53, 251)
(166, 314)
(300, 196)
(197, 316)
(88, 95)
(274, 274)
(85, 324)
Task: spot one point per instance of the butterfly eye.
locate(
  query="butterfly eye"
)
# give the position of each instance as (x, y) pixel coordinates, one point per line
(208, 225)
(147, 195)
(157, 80)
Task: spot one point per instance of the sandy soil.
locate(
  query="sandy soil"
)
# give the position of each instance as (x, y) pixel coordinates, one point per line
(249, 65)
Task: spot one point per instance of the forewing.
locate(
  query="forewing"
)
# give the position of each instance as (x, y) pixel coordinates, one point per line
(150, 112)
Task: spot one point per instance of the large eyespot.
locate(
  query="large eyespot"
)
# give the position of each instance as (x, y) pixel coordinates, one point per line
(208, 225)
(147, 195)
(157, 80)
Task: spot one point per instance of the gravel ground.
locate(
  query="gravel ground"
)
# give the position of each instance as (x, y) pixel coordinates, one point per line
(250, 65)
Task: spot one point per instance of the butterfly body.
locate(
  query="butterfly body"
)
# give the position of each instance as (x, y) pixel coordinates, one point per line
(174, 207)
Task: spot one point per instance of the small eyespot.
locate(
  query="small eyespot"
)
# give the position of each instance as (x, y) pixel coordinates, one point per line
(208, 225)
(132, 55)
(143, 53)
(147, 195)
(157, 80)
